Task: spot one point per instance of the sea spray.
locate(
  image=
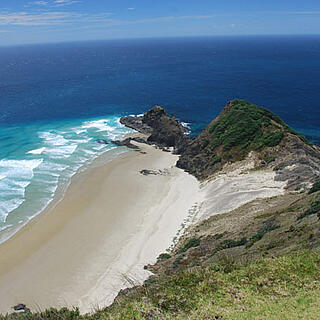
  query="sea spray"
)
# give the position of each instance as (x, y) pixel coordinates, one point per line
(44, 161)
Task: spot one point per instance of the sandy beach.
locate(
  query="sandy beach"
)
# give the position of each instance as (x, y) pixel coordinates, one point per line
(112, 221)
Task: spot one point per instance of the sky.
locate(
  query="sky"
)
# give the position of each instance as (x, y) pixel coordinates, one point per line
(43, 21)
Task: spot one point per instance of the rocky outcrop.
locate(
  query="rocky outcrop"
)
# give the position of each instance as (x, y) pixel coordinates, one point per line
(162, 129)
(297, 163)
(125, 143)
(136, 123)
(242, 130)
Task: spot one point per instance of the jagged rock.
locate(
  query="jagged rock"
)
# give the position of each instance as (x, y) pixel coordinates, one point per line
(136, 123)
(140, 140)
(125, 143)
(103, 141)
(162, 129)
(167, 131)
(19, 307)
(147, 172)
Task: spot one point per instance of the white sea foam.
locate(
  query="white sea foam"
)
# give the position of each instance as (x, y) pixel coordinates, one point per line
(54, 139)
(18, 175)
(186, 125)
(80, 140)
(19, 168)
(61, 152)
(6, 227)
(79, 131)
(101, 125)
(7, 206)
(50, 167)
(37, 151)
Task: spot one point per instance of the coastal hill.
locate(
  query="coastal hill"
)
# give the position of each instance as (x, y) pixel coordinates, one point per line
(242, 129)
(260, 260)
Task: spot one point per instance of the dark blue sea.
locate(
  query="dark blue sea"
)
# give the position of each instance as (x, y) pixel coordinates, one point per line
(56, 100)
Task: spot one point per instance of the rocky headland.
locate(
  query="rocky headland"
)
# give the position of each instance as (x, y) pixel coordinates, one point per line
(241, 131)
(252, 250)
(243, 140)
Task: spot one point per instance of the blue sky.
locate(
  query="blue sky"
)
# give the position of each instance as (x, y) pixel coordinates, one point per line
(38, 21)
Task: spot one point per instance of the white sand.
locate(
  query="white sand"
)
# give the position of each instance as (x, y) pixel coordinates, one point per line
(236, 185)
(111, 222)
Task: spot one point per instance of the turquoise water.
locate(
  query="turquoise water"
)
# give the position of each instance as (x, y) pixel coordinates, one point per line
(43, 157)
(57, 100)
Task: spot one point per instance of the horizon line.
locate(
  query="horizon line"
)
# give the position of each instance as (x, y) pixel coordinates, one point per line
(158, 38)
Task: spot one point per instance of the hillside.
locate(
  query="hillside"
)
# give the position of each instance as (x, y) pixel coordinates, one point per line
(261, 260)
(243, 128)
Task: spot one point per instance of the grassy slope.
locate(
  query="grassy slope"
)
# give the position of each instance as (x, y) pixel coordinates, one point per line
(281, 285)
(240, 128)
(193, 285)
(286, 287)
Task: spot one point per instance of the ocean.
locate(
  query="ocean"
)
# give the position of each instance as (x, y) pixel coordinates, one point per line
(58, 100)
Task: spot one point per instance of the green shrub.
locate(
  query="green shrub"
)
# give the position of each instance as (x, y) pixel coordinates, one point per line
(269, 226)
(315, 188)
(215, 159)
(164, 256)
(228, 243)
(193, 242)
(246, 126)
(269, 159)
(313, 209)
(272, 139)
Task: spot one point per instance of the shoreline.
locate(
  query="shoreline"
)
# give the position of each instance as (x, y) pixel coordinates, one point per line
(62, 188)
(111, 221)
(88, 241)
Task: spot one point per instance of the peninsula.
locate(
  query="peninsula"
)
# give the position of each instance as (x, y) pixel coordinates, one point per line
(221, 226)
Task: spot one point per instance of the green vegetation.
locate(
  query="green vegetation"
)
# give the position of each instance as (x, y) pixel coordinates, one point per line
(193, 242)
(246, 124)
(315, 188)
(269, 159)
(268, 227)
(215, 159)
(164, 256)
(246, 127)
(228, 243)
(313, 209)
(285, 287)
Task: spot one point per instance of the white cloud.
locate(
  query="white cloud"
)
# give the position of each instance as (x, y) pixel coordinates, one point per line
(131, 9)
(51, 18)
(52, 3)
(62, 3)
(39, 3)
(305, 12)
